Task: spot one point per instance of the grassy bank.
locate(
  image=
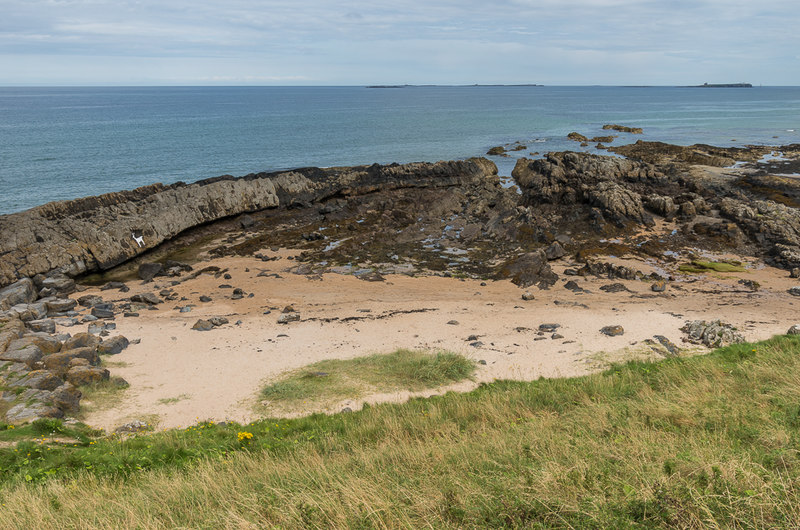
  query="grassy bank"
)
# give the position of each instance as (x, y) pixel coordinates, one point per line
(333, 380)
(709, 441)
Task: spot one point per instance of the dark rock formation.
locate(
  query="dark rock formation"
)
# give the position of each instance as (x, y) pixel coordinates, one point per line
(97, 233)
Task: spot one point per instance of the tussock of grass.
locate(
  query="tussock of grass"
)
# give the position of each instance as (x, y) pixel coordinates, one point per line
(101, 396)
(335, 379)
(704, 442)
(699, 266)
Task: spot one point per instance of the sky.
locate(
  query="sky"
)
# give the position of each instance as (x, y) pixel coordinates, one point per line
(357, 42)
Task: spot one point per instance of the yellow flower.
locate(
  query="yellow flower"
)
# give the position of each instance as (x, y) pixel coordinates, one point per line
(242, 436)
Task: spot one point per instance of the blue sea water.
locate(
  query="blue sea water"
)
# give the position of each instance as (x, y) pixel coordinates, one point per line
(63, 143)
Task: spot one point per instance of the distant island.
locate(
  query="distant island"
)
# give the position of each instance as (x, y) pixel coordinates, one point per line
(417, 86)
(723, 85)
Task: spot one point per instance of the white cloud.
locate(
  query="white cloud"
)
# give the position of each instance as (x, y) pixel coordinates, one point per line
(355, 41)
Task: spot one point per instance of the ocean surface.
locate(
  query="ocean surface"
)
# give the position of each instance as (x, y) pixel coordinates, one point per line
(64, 143)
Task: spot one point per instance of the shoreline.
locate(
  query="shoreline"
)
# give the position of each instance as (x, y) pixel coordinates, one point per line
(375, 258)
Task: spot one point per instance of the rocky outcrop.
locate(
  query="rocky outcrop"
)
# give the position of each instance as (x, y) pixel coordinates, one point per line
(707, 155)
(97, 233)
(772, 225)
(589, 181)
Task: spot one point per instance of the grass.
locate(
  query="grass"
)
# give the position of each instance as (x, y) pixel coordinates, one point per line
(101, 396)
(708, 441)
(699, 266)
(176, 399)
(333, 380)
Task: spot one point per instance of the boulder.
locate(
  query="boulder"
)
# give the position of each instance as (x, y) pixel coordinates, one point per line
(81, 340)
(21, 292)
(659, 286)
(148, 271)
(10, 330)
(288, 317)
(203, 325)
(28, 312)
(103, 310)
(113, 346)
(60, 305)
(711, 334)
(612, 331)
(86, 375)
(554, 251)
(59, 283)
(46, 325)
(147, 298)
(60, 362)
(90, 300)
(39, 379)
(29, 355)
(67, 398)
(794, 330)
(24, 412)
(529, 269)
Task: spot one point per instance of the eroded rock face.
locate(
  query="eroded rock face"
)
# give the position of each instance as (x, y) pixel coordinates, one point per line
(587, 181)
(97, 233)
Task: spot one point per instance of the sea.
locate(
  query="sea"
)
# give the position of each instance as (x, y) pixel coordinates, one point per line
(65, 143)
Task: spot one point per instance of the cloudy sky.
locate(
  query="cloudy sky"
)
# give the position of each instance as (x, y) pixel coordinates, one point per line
(353, 42)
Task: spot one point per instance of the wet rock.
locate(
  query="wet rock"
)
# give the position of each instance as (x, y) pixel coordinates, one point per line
(147, 298)
(46, 325)
(712, 334)
(21, 292)
(148, 271)
(246, 222)
(612, 331)
(113, 346)
(529, 269)
(288, 317)
(86, 375)
(203, 325)
(24, 412)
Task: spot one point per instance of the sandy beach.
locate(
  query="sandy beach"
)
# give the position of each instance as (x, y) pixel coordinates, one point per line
(178, 375)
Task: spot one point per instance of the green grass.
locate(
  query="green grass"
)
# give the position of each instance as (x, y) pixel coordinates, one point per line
(101, 396)
(335, 380)
(705, 442)
(699, 266)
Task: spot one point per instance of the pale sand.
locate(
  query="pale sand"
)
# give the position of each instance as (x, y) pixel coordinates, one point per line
(216, 375)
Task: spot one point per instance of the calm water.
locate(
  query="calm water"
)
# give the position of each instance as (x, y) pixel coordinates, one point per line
(61, 143)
